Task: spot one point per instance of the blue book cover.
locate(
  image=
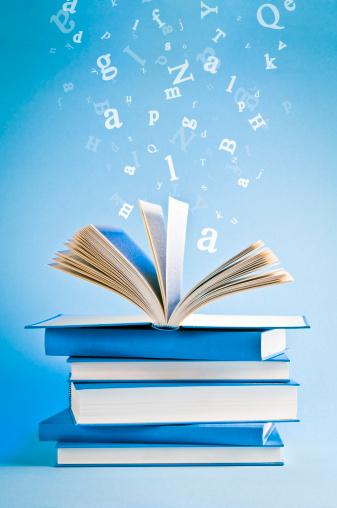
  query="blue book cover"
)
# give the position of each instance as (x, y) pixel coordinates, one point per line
(141, 454)
(123, 342)
(62, 427)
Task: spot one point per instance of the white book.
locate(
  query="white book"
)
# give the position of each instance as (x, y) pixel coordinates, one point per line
(125, 403)
(115, 369)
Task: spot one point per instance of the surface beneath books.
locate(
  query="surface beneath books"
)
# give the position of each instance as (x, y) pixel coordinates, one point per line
(307, 480)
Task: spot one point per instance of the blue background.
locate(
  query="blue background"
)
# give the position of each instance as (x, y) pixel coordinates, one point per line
(51, 186)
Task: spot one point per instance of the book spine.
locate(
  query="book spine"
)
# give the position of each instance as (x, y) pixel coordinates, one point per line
(180, 345)
(153, 434)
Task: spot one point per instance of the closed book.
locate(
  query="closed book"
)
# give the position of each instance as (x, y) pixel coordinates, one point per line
(147, 342)
(130, 454)
(132, 369)
(62, 427)
(160, 402)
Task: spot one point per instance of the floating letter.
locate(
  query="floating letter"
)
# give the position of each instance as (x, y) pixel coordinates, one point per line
(62, 25)
(208, 242)
(67, 87)
(257, 122)
(101, 107)
(77, 37)
(172, 93)
(220, 33)
(105, 69)
(192, 124)
(289, 5)
(168, 158)
(208, 10)
(183, 142)
(287, 106)
(230, 146)
(136, 57)
(182, 68)
(125, 210)
(276, 13)
(242, 106)
(243, 182)
(70, 6)
(93, 144)
(154, 115)
(211, 64)
(129, 169)
(114, 117)
(269, 62)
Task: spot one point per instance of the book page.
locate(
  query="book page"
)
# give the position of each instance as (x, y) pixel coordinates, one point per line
(257, 322)
(176, 235)
(156, 232)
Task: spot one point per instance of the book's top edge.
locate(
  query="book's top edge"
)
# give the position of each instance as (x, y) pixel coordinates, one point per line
(85, 385)
(197, 321)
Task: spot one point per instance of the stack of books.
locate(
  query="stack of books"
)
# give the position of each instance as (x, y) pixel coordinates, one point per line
(169, 387)
(209, 393)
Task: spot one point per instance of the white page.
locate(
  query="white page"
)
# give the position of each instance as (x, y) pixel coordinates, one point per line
(222, 321)
(156, 231)
(176, 235)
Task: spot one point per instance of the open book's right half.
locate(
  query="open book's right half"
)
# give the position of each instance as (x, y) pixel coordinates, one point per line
(108, 257)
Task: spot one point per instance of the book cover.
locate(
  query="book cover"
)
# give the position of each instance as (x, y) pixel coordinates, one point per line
(124, 342)
(62, 427)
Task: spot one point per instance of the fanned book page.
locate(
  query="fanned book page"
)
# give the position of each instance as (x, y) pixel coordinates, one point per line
(107, 256)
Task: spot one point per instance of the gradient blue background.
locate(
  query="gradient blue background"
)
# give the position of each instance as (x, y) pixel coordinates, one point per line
(51, 186)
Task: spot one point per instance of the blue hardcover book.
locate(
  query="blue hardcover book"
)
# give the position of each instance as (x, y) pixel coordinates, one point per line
(172, 402)
(185, 344)
(196, 321)
(134, 369)
(127, 454)
(62, 427)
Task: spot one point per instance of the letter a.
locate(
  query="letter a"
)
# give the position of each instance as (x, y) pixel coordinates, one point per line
(60, 25)
(114, 117)
(211, 64)
(210, 239)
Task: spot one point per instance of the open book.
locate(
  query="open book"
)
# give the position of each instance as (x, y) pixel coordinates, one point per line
(108, 257)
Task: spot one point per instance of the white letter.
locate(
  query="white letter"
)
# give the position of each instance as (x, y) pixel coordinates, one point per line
(230, 146)
(114, 117)
(92, 144)
(154, 115)
(172, 93)
(258, 121)
(210, 239)
(125, 210)
(208, 10)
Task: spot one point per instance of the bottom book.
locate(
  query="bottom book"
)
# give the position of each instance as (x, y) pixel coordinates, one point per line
(127, 454)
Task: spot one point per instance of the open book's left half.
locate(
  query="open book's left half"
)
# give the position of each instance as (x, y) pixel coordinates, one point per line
(108, 257)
